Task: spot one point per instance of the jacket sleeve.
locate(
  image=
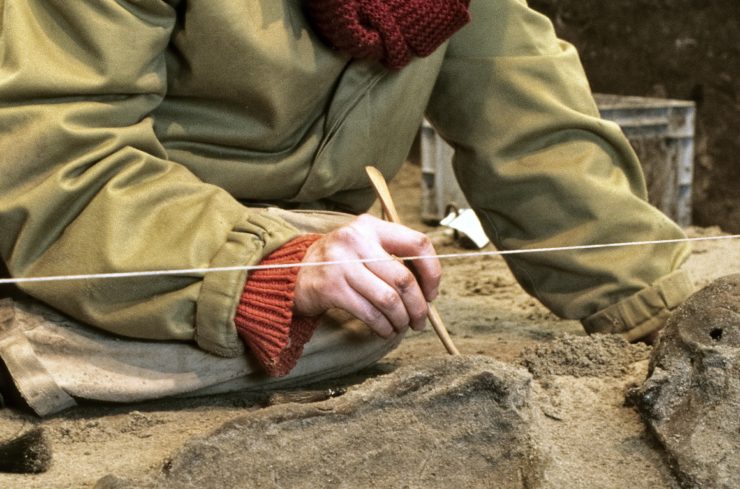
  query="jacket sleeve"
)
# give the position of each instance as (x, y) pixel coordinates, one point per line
(86, 187)
(541, 168)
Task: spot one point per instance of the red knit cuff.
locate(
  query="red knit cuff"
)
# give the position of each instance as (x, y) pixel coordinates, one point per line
(264, 317)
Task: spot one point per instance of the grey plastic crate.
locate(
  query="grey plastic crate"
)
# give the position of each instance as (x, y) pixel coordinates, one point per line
(660, 130)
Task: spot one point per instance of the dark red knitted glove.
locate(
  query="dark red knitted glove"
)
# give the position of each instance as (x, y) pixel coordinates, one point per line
(264, 317)
(390, 31)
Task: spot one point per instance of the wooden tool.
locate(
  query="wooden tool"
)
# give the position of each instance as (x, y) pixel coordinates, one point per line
(384, 195)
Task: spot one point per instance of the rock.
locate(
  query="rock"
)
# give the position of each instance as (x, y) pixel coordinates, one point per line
(29, 453)
(446, 422)
(112, 482)
(691, 398)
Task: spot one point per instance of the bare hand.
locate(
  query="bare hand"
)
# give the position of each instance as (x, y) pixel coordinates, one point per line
(384, 295)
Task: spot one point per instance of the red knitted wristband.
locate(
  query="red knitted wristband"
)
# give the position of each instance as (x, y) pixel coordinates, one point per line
(264, 317)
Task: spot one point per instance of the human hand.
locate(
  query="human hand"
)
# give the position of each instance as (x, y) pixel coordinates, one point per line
(384, 295)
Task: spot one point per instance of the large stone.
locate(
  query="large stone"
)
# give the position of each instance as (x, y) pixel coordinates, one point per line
(447, 422)
(691, 399)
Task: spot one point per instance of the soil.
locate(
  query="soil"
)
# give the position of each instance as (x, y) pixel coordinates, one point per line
(583, 356)
(594, 439)
(678, 49)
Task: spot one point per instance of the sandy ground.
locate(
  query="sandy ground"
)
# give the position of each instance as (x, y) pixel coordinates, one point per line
(595, 438)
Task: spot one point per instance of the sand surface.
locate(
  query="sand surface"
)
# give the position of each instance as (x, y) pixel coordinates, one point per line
(584, 423)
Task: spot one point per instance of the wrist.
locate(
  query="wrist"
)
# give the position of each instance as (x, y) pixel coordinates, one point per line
(265, 319)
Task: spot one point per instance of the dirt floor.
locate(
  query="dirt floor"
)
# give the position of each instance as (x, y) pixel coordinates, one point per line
(595, 439)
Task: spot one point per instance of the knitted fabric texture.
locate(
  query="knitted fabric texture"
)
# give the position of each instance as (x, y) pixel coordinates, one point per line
(390, 31)
(264, 317)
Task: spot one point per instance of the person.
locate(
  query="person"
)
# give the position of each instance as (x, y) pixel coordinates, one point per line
(184, 134)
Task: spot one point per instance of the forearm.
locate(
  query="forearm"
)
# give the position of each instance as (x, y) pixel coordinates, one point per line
(86, 186)
(541, 168)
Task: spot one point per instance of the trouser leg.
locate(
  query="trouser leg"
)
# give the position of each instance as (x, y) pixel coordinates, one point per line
(341, 346)
(89, 364)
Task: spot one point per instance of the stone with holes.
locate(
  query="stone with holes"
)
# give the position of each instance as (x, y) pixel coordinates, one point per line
(691, 399)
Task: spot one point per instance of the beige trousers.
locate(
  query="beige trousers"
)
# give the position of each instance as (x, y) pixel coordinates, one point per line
(52, 360)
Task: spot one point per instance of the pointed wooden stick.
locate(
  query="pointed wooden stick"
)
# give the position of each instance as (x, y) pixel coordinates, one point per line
(384, 195)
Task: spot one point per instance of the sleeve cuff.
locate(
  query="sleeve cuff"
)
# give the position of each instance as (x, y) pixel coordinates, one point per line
(264, 317)
(645, 312)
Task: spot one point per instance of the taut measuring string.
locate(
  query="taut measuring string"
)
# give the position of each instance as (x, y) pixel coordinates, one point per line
(472, 254)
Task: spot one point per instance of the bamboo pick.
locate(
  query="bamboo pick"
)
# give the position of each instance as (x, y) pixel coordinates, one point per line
(386, 202)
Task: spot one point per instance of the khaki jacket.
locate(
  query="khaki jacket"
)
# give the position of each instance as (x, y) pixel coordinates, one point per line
(139, 135)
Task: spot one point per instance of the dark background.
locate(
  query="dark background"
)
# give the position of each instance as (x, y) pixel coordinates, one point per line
(682, 49)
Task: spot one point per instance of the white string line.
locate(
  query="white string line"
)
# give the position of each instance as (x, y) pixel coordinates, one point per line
(198, 271)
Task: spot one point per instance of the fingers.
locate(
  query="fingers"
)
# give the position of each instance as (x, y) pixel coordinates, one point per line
(402, 291)
(398, 293)
(392, 289)
(401, 241)
(364, 310)
(318, 289)
(386, 295)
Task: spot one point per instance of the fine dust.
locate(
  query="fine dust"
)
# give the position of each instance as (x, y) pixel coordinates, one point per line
(584, 356)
